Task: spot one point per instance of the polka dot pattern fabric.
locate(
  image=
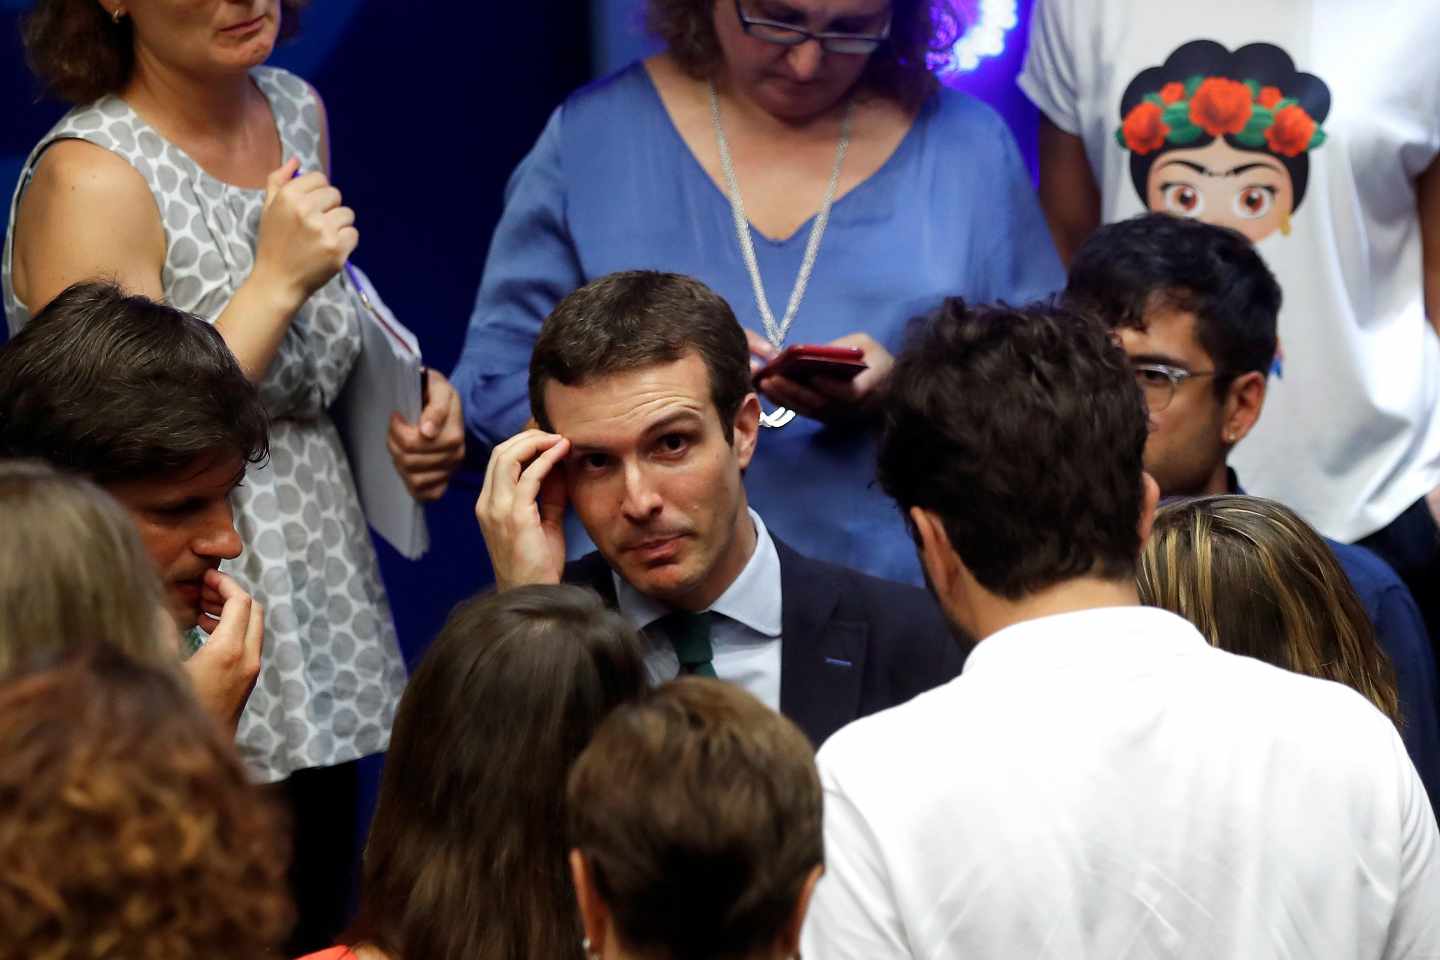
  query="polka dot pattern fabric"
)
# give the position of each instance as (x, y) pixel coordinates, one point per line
(332, 671)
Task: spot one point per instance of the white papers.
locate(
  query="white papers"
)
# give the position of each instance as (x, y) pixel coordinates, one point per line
(386, 379)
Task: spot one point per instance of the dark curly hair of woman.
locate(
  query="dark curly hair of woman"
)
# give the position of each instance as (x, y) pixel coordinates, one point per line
(899, 69)
(129, 830)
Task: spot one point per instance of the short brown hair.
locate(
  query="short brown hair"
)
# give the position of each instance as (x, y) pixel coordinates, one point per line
(117, 387)
(466, 856)
(73, 571)
(635, 319)
(1256, 580)
(80, 54)
(698, 811)
(899, 69)
(130, 829)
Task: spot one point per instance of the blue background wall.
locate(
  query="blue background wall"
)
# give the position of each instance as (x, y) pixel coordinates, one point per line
(431, 105)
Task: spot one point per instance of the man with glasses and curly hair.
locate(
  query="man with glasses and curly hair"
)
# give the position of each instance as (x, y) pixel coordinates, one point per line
(1196, 310)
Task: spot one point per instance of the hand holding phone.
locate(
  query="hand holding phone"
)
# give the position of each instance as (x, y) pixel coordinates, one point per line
(833, 382)
(806, 361)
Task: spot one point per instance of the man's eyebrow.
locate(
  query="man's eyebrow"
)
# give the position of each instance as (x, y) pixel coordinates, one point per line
(672, 420)
(667, 422)
(1163, 358)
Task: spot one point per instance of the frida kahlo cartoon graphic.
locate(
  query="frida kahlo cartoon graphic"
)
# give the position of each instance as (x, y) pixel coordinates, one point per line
(1224, 137)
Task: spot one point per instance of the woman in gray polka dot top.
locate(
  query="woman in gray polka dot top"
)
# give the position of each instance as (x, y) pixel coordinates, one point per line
(191, 173)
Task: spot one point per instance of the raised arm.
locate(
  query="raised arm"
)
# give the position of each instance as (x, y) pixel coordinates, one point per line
(87, 213)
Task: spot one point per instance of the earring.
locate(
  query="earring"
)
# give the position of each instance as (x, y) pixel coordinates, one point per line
(589, 954)
(1285, 224)
(116, 14)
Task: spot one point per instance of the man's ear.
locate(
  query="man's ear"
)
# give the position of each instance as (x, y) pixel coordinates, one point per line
(790, 936)
(1243, 403)
(937, 556)
(746, 429)
(594, 915)
(1149, 503)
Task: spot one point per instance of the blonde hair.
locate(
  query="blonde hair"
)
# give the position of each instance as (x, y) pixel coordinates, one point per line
(1256, 580)
(73, 571)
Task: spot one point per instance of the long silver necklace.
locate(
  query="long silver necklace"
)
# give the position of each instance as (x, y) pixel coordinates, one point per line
(775, 332)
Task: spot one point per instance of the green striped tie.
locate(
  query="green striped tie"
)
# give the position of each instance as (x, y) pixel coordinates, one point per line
(689, 634)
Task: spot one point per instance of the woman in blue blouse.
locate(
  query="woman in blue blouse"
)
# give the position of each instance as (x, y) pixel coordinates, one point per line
(800, 158)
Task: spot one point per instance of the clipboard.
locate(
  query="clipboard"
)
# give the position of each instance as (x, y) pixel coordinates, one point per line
(388, 377)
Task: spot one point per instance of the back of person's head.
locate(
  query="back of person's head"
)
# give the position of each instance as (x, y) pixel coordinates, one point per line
(1157, 261)
(117, 387)
(1256, 580)
(1023, 431)
(695, 820)
(129, 827)
(640, 318)
(73, 572)
(466, 856)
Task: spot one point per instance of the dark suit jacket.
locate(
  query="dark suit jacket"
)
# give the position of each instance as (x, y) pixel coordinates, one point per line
(850, 645)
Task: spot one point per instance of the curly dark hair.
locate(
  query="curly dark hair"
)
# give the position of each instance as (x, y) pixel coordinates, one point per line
(1024, 431)
(80, 54)
(900, 69)
(129, 829)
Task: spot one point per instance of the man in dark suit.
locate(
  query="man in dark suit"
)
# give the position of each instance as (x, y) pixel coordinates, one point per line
(640, 386)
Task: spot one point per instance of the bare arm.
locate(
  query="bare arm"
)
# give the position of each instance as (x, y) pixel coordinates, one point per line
(87, 213)
(1429, 196)
(1068, 193)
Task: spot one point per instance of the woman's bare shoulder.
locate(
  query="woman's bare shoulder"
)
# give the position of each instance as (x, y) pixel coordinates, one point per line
(73, 164)
(85, 212)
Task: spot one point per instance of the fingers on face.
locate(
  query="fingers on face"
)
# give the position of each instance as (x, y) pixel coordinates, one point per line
(534, 475)
(516, 470)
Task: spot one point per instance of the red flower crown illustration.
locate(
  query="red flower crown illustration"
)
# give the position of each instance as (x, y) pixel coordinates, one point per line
(1257, 117)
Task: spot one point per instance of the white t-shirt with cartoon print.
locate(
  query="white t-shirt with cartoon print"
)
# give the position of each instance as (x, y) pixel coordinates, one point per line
(1304, 124)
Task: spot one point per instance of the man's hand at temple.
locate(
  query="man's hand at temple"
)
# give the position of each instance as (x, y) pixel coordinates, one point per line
(521, 509)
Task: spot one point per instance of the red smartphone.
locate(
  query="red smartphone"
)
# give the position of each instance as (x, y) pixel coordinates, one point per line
(805, 361)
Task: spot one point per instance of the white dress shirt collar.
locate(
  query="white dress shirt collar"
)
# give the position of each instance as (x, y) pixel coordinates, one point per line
(1065, 641)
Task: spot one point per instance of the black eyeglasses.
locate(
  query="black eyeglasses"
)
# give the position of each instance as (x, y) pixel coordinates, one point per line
(1159, 381)
(789, 35)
